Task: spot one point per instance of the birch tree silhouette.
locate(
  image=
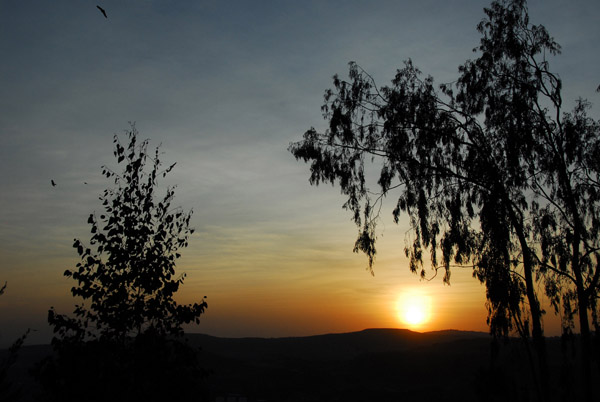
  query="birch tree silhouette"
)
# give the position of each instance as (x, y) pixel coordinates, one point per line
(124, 341)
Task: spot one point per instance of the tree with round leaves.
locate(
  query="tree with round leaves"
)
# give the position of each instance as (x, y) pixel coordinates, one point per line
(127, 331)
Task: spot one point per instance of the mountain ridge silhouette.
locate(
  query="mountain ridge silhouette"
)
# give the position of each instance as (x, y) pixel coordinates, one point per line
(372, 364)
(377, 364)
(331, 346)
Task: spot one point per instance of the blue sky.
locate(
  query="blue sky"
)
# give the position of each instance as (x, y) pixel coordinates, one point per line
(225, 87)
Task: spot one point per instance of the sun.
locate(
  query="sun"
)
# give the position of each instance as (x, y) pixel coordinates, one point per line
(414, 309)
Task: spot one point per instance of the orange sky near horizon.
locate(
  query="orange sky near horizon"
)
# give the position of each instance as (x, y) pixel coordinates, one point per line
(262, 282)
(287, 286)
(327, 290)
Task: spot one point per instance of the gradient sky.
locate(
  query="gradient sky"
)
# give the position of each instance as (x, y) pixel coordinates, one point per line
(225, 86)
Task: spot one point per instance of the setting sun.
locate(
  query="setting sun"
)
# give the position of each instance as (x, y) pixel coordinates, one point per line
(414, 309)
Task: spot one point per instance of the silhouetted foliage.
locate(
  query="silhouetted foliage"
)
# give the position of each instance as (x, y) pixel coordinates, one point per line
(490, 171)
(8, 391)
(126, 343)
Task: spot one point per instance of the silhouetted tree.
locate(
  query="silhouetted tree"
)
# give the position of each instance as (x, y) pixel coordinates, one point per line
(490, 171)
(124, 341)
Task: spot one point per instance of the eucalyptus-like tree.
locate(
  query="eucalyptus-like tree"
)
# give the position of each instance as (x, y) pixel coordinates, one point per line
(490, 171)
(124, 340)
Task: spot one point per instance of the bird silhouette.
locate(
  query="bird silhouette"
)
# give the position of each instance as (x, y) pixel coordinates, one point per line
(53, 183)
(102, 11)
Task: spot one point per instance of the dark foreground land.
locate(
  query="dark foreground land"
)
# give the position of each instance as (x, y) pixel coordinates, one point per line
(370, 365)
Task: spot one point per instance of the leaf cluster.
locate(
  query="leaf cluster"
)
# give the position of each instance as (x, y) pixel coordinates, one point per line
(124, 340)
(128, 271)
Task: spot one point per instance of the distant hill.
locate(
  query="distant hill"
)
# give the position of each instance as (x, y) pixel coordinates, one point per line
(343, 346)
(370, 365)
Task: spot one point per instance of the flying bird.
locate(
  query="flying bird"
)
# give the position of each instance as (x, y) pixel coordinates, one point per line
(53, 183)
(102, 11)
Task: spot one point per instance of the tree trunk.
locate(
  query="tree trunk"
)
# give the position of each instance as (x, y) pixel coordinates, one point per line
(584, 328)
(537, 332)
(582, 300)
(539, 342)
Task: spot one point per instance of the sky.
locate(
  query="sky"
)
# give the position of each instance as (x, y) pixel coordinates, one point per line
(225, 87)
